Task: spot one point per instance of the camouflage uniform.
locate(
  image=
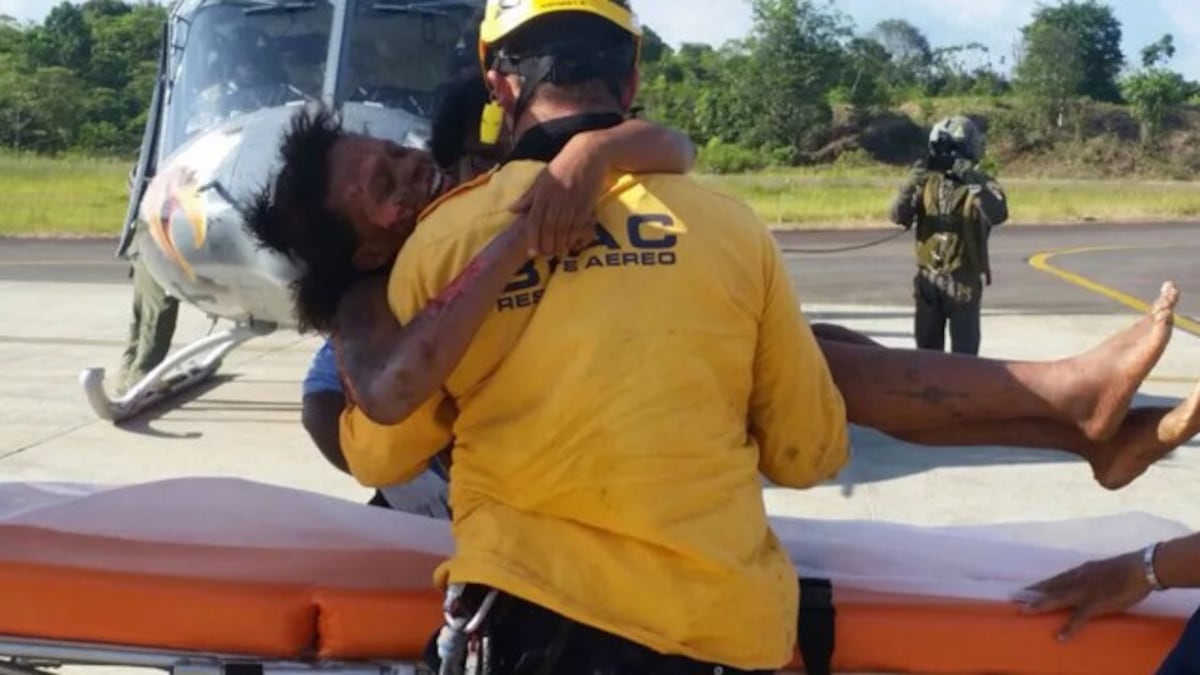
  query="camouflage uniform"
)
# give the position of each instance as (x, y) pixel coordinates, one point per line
(954, 212)
(150, 328)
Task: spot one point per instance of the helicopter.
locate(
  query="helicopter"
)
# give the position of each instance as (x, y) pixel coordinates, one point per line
(230, 76)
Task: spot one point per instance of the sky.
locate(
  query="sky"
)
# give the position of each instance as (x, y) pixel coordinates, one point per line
(995, 23)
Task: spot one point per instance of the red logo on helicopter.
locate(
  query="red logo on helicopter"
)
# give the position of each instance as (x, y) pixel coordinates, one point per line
(172, 197)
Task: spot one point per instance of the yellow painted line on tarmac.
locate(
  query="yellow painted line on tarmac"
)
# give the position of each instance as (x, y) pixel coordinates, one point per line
(1041, 262)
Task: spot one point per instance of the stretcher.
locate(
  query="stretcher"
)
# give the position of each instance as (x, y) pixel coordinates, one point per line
(213, 575)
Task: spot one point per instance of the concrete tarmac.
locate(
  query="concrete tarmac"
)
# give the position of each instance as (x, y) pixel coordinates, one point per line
(64, 306)
(1133, 258)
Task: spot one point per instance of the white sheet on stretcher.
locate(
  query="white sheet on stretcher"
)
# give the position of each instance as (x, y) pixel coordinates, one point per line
(990, 562)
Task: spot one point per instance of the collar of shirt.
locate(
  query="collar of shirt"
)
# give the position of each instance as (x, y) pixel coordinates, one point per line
(543, 142)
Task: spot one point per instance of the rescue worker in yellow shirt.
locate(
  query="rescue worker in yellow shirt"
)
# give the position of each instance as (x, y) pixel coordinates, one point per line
(612, 416)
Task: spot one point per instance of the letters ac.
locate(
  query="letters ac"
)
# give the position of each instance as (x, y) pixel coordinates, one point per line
(645, 233)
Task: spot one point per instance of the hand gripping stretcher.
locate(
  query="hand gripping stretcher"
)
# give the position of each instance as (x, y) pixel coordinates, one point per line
(206, 576)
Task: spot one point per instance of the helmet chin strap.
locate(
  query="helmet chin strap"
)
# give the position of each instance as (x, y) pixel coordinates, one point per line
(576, 64)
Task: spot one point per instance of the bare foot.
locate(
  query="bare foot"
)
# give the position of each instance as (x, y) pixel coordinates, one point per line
(1110, 375)
(1148, 435)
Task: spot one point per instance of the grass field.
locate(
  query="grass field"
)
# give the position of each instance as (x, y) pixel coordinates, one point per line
(62, 196)
(84, 196)
(861, 198)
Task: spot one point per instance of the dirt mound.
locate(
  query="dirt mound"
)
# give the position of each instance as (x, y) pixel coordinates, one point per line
(1088, 140)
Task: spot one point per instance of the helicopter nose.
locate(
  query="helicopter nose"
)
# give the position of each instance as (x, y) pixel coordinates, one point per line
(390, 124)
(257, 155)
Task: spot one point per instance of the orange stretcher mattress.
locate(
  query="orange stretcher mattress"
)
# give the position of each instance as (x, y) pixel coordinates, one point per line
(227, 566)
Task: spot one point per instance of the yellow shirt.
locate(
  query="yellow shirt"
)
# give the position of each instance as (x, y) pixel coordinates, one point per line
(612, 418)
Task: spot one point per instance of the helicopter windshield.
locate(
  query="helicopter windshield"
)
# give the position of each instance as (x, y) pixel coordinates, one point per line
(402, 52)
(232, 57)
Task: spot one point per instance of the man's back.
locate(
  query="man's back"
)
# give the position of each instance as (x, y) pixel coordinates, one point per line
(954, 218)
(612, 417)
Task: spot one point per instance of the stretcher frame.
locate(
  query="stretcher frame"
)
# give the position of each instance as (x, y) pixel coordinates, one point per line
(23, 656)
(26, 656)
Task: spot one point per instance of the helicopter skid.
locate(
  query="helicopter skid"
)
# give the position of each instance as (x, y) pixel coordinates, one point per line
(177, 373)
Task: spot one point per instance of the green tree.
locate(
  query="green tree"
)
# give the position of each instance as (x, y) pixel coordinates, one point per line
(1090, 30)
(123, 40)
(864, 76)
(653, 47)
(64, 39)
(11, 38)
(1052, 70)
(1154, 94)
(795, 54)
(911, 56)
(693, 90)
(1160, 51)
(104, 8)
(16, 104)
(56, 93)
(951, 72)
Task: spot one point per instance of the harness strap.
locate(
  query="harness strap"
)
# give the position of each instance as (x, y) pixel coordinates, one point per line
(815, 629)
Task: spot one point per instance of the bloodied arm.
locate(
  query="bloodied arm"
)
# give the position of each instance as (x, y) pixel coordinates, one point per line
(393, 374)
(390, 370)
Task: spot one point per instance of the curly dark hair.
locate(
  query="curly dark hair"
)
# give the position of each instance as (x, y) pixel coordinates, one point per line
(457, 117)
(290, 215)
(293, 219)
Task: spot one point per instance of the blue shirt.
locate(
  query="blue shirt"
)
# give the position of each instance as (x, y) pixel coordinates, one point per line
(323, 377)
(323, 373)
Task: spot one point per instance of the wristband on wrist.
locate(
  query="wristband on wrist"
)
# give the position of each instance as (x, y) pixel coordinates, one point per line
(1148, 567)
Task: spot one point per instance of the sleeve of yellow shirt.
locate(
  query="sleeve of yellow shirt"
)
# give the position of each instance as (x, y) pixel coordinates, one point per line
(381, 455)
(797, 413)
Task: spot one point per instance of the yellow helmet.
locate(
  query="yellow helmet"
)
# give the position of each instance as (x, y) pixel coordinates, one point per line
(502, 17)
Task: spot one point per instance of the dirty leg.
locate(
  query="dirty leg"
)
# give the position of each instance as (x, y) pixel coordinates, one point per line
(899, 390)
(1146, 436)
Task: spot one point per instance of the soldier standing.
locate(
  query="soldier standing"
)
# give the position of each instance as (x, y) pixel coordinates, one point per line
(954, 206)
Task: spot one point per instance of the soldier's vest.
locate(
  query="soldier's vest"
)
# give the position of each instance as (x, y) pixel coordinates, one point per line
(951, 239)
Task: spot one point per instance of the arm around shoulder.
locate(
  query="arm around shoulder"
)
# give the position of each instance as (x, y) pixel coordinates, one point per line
(640, 146)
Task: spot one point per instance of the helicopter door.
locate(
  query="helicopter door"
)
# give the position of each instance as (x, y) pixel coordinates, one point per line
(147, 158)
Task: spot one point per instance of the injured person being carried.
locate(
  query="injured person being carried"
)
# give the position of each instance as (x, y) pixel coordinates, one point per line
(608, 433)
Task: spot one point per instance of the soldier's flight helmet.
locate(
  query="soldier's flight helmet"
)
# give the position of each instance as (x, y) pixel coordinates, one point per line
(557, 41)
(957, 136)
